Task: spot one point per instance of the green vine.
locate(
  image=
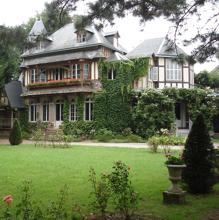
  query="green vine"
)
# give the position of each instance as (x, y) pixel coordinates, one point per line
(80, 107)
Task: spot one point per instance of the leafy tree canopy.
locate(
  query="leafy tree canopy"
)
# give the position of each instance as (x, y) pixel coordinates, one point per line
(179, 12)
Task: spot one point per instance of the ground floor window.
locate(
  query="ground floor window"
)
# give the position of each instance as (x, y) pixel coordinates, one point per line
(46, 112)
(73, 112)
(32, 112)
(88, 110)
(59, 111)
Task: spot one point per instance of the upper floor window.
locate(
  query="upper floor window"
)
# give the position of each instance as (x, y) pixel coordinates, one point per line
(111, 74)
(88, 110)
(42, 75)
(173, 70)
(81, 36)
(86, 71)
(58, 74)
(33, 75)
(153, 74)
(76, 71)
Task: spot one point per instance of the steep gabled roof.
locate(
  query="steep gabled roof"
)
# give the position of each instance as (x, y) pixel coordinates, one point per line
(158, 46)
(66, 39)
(37, 30)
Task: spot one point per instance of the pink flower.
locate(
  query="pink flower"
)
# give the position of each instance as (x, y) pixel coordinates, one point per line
(8, 199)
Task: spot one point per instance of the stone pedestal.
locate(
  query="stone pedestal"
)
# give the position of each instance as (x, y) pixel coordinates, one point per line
(174, 198)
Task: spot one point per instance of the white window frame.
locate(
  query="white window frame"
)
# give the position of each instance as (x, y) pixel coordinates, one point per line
(173, 70)
(111, 74)
(47, 112)
(81, 37)
(153, 75)
(90, 113)
(33, 76)
(73, 112)
(76, 65)
(86, 66)
(34, 106)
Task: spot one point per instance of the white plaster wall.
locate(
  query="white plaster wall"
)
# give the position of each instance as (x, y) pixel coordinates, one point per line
(96, 71)
(185, 74)
(161, 61)
(161, 85)
(186, 85)
(161, 73)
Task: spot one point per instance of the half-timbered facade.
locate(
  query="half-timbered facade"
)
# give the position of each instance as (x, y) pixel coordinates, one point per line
(63, 66)
(166, 70)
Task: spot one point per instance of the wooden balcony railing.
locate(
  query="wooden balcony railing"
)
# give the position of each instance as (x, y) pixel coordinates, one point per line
(60, 83)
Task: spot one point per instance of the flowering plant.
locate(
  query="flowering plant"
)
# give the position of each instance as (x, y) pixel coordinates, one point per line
(174, 160)
(8, 199)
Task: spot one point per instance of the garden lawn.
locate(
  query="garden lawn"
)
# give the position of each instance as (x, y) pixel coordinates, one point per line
(50, 169)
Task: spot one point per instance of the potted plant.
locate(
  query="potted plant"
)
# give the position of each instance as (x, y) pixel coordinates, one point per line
(175, 166)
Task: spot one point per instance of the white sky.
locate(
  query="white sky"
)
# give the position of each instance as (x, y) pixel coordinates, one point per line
(15, 12)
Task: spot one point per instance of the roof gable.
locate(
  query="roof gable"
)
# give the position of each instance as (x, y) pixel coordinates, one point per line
(157, 46)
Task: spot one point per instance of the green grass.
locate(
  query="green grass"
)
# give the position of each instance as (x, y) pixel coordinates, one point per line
(49, 169)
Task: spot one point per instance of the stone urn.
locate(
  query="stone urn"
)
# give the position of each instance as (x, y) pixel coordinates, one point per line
(174, 195)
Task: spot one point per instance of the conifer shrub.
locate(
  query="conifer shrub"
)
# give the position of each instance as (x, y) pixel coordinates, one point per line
(199, 159)
(15, 137)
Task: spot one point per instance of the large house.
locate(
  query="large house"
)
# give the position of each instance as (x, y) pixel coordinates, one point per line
(64, 65)
(166, 71)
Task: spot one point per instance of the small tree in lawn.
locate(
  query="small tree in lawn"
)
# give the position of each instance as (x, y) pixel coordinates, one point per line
(199, 158)
(15, 135)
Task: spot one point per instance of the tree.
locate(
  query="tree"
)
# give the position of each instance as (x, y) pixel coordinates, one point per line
(202, 79)
(15, 134)
(179, 12)
(208, 79)
(199, 158)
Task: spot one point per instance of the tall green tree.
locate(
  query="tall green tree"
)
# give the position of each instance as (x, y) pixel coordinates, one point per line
(199, 158)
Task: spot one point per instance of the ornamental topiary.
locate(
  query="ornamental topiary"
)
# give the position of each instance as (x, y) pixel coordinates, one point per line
(199, 159)
(15, 134)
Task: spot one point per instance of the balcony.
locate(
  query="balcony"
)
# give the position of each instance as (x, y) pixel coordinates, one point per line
(59, 83)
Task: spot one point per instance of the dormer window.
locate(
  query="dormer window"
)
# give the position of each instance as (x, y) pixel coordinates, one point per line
(81, 36)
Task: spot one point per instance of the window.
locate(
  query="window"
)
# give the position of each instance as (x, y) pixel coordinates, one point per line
(76, 71)
(173, 70)
(33, 75)
(58, 74)
(32, 113)
(43, 75)
(46, 112)
(86, 71)
(111, 74)
(59, 111)
(153, 75)
(73, 112)
(88, 110)
(81, 37)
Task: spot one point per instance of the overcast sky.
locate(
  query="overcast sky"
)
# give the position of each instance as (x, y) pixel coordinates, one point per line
(15, 12)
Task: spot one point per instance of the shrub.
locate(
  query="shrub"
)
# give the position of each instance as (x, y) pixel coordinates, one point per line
(15, 137)
(104, 135)
(154, 142)
(125, 198)
(82, 129)
(148, 119)
(199, 158)
(101, 192)
(173, 160)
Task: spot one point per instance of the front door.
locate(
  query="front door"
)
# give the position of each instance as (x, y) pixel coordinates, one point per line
(181, 116)
(59, 114)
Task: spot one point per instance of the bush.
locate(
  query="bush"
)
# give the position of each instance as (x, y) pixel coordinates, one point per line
(104, 135)
(154, 142)
(148, 119)
(82, 129)
(15, 137)
(199, 158)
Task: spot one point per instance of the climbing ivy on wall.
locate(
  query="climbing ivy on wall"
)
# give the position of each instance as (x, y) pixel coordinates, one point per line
(112, 108)
(197, 101)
